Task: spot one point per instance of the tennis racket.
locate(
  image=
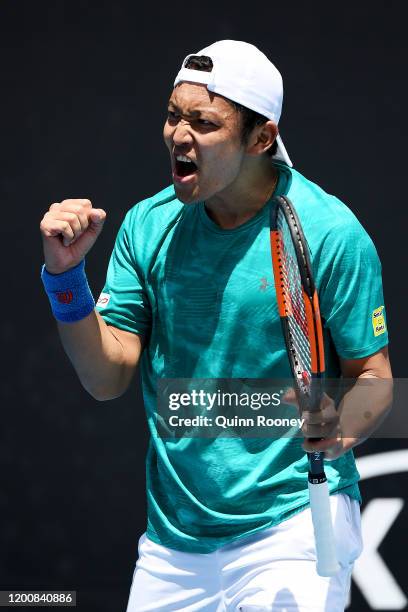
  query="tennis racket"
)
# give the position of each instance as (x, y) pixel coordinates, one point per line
(298, 306)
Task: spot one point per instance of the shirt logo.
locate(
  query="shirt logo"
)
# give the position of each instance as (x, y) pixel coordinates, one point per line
(264, 284)
(378, 321)
(103, 300)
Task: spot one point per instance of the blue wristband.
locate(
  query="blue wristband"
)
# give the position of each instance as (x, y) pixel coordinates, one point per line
(69, 293)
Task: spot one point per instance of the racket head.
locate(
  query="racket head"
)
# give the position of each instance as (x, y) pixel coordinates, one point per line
(297, 299)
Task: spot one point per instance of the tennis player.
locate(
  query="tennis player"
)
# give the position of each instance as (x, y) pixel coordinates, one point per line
(190, 294)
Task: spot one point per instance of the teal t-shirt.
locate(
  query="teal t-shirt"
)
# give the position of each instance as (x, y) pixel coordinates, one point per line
(205, 299)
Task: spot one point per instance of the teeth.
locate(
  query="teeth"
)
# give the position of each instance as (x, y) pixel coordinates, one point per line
(183, 158)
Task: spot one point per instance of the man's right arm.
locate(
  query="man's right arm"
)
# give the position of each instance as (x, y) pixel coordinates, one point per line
(103, 356)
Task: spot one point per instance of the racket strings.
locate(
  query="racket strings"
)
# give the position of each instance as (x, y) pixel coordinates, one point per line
(293, 298)
(299, 241)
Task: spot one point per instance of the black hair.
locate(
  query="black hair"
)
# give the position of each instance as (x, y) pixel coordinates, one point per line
(250, 118)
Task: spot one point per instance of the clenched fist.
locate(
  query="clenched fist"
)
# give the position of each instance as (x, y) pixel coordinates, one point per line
(69, 230)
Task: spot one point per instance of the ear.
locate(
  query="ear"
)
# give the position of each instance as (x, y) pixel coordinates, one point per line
(262, 137)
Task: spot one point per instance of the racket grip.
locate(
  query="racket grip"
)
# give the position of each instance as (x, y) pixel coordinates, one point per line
(327, 564)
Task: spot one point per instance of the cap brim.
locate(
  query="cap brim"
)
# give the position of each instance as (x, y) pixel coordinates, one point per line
(281, 154)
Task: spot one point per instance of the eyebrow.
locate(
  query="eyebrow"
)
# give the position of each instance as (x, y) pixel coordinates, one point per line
(195, 113)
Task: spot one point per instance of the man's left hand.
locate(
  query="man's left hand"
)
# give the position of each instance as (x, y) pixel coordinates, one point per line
(321, 428)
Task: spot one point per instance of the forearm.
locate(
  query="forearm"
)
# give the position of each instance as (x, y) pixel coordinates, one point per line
(97, 355)
(364, 408)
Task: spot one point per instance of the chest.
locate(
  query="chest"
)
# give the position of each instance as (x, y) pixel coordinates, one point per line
(201, 275)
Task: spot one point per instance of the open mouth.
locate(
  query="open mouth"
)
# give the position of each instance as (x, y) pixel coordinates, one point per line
(184, 166)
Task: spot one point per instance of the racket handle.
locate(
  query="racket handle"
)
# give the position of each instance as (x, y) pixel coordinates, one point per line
(327, 564)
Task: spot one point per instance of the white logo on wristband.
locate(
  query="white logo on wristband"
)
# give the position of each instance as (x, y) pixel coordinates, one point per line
(103, 300)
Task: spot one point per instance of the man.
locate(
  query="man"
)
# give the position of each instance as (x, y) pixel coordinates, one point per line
(190, 294)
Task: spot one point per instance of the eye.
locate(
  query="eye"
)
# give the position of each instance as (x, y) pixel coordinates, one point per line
(172, 116)
(205, 122)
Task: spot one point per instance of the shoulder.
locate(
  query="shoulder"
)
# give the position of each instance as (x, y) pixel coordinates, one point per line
(157, 210)
(147, 224)
(326, 220)
(342, 252)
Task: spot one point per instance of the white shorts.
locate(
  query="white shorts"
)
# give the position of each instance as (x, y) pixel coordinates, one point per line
(272, 570)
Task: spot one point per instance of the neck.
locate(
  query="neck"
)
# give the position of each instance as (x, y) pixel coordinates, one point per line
(241, 200)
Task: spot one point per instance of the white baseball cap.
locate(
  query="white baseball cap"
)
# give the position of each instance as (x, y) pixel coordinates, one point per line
(242, 73)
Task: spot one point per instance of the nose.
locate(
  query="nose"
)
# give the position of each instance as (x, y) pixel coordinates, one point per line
(182, 136)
